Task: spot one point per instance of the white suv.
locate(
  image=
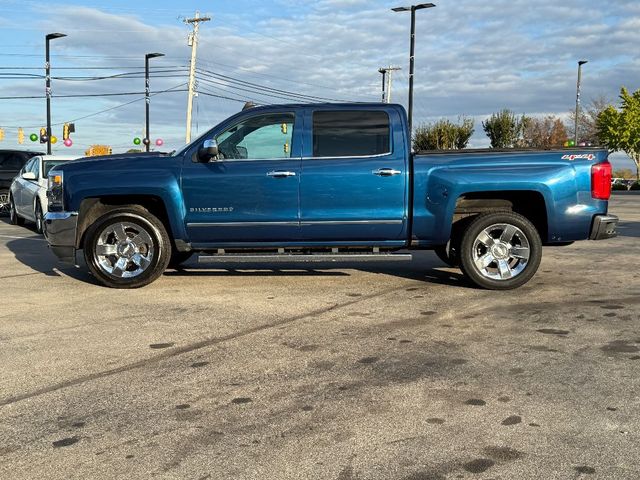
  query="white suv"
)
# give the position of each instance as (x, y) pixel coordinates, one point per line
(28, 192)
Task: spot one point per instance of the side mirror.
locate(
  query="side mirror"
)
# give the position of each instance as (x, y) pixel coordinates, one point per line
(29, 176)
(208, 151)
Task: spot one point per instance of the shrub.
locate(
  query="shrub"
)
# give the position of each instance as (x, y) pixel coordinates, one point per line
(619, 187)
(635, 186)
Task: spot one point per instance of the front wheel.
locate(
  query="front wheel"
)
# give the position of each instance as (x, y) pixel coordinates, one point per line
(37, 213)
(14, 218)
(500, 251)
(127, 248)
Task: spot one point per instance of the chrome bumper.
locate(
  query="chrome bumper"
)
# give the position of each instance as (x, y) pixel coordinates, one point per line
(604, 226)
(60, 231)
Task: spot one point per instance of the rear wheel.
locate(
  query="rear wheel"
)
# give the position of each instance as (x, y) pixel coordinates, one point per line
(37, 213)
(500, 251)
(127, 248)
(13, 214)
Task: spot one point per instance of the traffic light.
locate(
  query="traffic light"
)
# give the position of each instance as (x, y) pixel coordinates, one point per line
(67, 130)
(43, 135)
(20, 136)
(1, 134)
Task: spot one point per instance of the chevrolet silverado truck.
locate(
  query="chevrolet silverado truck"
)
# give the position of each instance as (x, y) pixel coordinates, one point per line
(325, 182)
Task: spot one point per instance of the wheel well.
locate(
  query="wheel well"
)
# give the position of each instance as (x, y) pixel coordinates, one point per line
(93, 208)
(529, 204)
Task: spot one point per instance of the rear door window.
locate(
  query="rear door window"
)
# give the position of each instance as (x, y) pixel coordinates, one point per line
(355, 133)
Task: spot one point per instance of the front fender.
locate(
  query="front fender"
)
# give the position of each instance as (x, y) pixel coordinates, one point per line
(163, 184)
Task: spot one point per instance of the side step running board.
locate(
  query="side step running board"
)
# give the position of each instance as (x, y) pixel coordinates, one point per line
(292, 257)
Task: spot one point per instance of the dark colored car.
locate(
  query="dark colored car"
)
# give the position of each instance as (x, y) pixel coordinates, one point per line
(11, 161)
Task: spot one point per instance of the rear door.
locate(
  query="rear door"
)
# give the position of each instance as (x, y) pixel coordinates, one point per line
(354, 176)
(250, 195)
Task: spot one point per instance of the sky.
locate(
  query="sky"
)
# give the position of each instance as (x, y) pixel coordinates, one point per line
(472, 58)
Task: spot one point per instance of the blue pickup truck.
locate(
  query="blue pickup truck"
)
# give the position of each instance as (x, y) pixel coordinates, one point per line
(325, 182)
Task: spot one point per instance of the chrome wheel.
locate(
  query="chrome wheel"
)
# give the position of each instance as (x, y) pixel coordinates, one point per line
(5, 208)
(124, 250)
(501, 251)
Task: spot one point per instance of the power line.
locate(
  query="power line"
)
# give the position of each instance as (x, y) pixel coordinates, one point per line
(86, 78)
(200, 92)
(130, 67)
(274, 92)
(266, 75)
(252, 91)
(99, 112)
(79, 95)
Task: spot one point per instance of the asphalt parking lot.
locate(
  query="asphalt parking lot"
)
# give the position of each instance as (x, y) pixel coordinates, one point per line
(395, 371)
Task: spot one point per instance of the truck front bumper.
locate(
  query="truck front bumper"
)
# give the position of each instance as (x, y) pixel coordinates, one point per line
(60, 230)
(603, 226)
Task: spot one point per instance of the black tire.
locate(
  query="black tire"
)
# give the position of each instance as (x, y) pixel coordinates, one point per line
(137, 223)
(178, 258)
(14, 218)
(37, 213)
(509, 248)
(4, 203)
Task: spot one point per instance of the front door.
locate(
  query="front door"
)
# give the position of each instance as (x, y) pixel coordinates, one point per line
(354, 177)
(250, 194)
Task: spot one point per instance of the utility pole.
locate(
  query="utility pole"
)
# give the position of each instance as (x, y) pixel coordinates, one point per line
(386, 91)
(193, 43)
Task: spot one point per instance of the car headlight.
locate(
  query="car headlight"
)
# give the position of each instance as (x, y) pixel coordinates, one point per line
(55, 192)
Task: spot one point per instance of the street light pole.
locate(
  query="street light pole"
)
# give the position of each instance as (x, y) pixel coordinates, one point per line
(147, 100)
(412, 9)
(580, 63)
(47, 69)
(383, 71)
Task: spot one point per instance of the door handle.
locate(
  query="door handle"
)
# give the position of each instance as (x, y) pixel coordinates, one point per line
(386, 172)
(281, 174)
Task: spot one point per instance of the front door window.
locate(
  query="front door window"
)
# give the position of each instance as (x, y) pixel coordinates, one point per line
(261, 137)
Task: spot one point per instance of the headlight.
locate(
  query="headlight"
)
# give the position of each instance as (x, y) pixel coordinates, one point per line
(54, 192)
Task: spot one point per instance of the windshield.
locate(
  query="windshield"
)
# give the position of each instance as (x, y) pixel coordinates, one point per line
(49, 164)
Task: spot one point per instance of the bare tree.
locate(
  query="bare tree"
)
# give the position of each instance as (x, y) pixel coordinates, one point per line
(588, 121)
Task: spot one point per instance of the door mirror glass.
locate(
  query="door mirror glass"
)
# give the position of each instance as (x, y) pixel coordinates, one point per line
(208, 151)
(29, 176)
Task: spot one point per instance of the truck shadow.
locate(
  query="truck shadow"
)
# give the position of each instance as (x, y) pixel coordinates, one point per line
(425, 267)
(32, 251)
(628, 229)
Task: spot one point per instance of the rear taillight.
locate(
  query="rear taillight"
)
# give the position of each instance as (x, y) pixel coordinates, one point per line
(601, 181)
